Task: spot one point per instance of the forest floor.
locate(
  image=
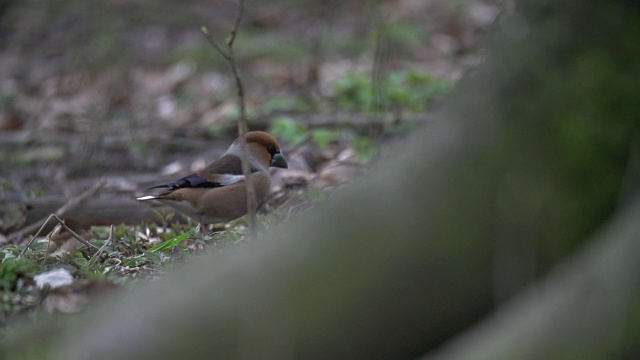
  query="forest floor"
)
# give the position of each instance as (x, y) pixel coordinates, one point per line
(97, 102)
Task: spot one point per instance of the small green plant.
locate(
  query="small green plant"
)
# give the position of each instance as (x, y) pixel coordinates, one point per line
(411, 90)
(324, 137)
(5, 184)
(288, 130)
(12, 266)
(403, 33)
(365, 148)
(294, 133)
(172, 242)
(354, 92)
(286, 102)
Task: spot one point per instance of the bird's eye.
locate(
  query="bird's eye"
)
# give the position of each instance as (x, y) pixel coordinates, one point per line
(272, 150)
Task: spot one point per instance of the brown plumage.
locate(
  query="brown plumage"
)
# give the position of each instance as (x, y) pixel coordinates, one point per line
(217, 193)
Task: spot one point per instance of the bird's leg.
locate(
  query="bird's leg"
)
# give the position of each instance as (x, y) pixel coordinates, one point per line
(203, 229)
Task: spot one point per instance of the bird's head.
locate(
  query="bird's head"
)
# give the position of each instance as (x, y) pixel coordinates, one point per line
(262, 148)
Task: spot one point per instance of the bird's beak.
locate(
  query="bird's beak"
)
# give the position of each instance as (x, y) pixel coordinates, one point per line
(278, 160)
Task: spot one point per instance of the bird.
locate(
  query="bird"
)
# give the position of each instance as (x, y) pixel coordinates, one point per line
(217, 193)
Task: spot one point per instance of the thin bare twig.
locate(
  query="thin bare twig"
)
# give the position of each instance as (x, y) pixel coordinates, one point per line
(214, 43)
(379, 74)
(229, 55)
(236, 24)
(72, 203)
(110, 239)
(113, 238)
(61, 223)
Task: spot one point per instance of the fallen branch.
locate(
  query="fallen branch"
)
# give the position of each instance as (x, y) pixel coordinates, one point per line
(196, 140)
(97, 211)
(69, 205)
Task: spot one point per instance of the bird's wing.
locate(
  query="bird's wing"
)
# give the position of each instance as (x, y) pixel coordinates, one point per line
(225, 171)
(201, 181)
(228, 164)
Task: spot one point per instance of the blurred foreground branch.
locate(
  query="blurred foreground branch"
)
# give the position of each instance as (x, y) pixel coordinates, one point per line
(68, 206)
(583, 308)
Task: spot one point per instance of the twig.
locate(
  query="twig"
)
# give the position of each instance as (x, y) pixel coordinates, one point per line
(229, 55)
(378, 74)
(215, 44)
(72, 203)
(236, 25)
(46, 253)
(110, 239)
(61, 223)
(113, 238)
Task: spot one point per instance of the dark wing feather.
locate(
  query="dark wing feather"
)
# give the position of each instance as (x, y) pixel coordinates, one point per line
(224, 171)
(190, 181)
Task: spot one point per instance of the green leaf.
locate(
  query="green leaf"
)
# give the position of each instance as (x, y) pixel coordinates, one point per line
(288, 130)
(323, 137)
(170, 243)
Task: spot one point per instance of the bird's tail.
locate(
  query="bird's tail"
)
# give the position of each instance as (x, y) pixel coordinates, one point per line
(146, 198)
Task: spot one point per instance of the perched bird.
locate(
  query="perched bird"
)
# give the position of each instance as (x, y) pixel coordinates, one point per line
(217, 193)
